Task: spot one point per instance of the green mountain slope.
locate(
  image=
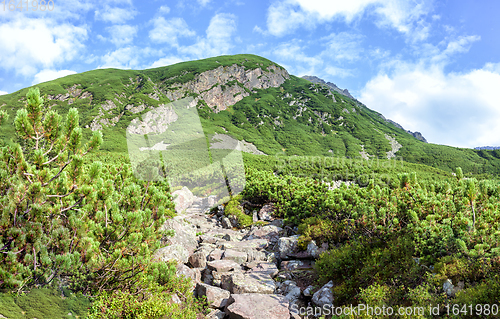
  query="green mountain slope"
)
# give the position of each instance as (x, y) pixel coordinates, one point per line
(249, 98)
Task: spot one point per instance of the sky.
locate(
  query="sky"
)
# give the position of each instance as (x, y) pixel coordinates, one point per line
(432, 66)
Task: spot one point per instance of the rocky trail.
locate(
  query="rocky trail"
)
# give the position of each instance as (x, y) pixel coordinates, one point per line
(252, 273)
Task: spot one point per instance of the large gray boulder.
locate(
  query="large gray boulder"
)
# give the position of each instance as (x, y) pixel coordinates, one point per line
(240, 283)
(288, 246)
(183, 198)
(176, 252)
(215, 296)
(234, 255)
(183, 234)
(323, 296)
(257, 306)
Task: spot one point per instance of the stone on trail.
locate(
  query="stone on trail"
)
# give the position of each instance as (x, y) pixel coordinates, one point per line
(234, 255)
(323, 296)
(215, 296)
(257, 306)
(222, 265)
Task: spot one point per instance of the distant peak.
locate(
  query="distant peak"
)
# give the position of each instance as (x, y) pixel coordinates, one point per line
(333, 86)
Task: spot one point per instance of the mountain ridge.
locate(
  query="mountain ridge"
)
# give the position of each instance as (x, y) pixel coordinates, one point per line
(251, 99)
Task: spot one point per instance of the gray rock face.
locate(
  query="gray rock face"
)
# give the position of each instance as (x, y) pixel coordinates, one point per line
(324, 296)
(257, 306)
(212, 85)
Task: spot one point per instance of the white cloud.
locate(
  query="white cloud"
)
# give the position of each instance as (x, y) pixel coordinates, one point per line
(49, 75)
(115, 14)
(164, 10)
(166, 61)
(30, 43)
(122, 58)
(404, 15)
(3, 93)
(458, 109)
(122, 34)
(218, 40)
(169, 31)
(203, 2)
(343, 46)
(131, 57)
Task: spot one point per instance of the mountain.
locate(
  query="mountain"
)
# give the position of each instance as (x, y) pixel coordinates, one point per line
(491, 148)
(247, 98)
(345, 92)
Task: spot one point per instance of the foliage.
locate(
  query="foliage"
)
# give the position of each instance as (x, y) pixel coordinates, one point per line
(234, 209)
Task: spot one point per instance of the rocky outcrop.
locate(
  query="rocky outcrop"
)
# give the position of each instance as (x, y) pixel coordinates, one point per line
(226, 85)
(416, 135)
(315, 79)
(395, 146)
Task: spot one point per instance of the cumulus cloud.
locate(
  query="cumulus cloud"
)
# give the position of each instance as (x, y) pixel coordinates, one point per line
(169, 31)
(3, 93)
(122, 58)
(285, 16)
(343, 46)
(115, 14)
(28, 44)
(49, 75)
(218, 38)
(164, 10)
(122, 34)
(458, 109)
(166, 61)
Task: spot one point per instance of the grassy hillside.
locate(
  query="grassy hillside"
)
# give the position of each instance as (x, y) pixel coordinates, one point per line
(298, 118)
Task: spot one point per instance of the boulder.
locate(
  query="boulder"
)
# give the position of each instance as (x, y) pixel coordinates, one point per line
(234, 255)
(184, 234)
(255, 255)
(222, 265)
(308, 291)
(253, 282)
(245, 244)
(174, 252)
(215, 254)
(266, 232)
(183, 198)
(266, 212)
(296, 264)
(216, 314)
(255, 216)
(323, 296)
(199, 258)
(257, 306)
(268, 268)
(288, 246)
(215, 296)
(226, 223)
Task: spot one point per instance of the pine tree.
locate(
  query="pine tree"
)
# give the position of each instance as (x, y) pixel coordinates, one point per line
(94, 224)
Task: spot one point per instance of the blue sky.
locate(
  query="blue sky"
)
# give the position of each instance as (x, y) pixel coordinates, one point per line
(432, 66)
